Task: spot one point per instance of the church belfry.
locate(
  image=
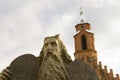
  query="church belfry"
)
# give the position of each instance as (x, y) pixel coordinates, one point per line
(84, 43)
(85, 50)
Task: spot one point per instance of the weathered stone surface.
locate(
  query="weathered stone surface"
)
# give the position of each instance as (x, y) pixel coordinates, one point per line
(53, 56)
(6, 74)
(79, 70)
(25, 67)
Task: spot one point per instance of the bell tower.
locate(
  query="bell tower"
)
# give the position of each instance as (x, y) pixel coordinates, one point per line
(84, 44)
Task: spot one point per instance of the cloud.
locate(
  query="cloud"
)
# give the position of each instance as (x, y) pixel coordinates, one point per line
(25, 23)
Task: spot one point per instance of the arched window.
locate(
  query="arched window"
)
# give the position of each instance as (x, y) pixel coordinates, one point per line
(82, 59)
(84, 44)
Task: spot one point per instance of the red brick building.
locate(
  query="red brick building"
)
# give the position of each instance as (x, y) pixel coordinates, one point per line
(85, 51)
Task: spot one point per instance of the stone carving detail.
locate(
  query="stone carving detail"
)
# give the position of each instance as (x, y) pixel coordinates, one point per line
(53, 58)
(6, 74)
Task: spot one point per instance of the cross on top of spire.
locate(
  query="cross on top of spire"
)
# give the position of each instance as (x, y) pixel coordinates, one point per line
(81, 15)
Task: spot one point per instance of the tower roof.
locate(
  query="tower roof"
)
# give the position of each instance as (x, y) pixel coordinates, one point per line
(83, 26)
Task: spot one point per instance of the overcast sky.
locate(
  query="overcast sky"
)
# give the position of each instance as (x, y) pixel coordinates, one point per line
(25, 23)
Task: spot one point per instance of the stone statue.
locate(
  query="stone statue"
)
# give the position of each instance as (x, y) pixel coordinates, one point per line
(53, 63)
(53, 58)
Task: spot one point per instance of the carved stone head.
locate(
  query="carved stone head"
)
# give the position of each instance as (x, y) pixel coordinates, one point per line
(54, 45)
(51, 46)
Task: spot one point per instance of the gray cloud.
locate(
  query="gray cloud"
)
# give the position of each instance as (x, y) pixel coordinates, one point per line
(25, 23)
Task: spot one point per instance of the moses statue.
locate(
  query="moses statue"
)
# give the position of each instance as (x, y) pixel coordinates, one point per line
(53, 58)
(53, 63)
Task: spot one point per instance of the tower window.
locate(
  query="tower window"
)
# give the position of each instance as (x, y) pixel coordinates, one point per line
(84, 44)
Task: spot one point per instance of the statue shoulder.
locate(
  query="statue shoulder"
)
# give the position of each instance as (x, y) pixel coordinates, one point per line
(78, 68)
(25, 67)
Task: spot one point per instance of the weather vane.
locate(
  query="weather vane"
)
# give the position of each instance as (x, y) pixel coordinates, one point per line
(81, 15)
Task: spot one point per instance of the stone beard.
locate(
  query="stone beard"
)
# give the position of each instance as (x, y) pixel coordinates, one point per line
(52, 69)
(52, 65)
